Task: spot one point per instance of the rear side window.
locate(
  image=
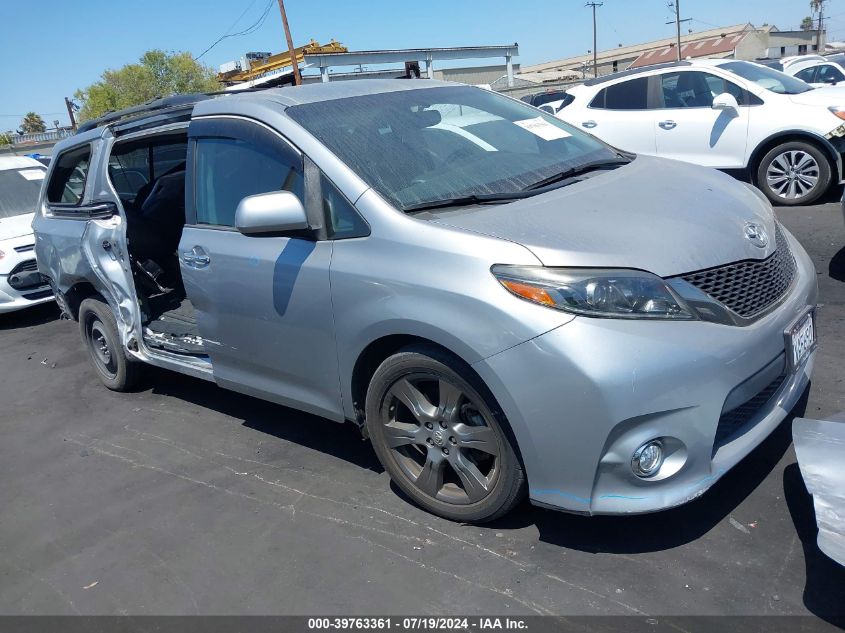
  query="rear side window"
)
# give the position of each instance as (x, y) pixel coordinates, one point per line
(548, 97)
(228, 170)
(628, 95)
(67, 182)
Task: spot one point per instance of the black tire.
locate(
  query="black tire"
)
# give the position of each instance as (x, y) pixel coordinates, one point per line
(102, 340)
(466, 456)
(781, 177)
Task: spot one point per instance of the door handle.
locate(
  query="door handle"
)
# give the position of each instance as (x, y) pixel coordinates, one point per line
(196, 258)
(668, 125)
(589, 124)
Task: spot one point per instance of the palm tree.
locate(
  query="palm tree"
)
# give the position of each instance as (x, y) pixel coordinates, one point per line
(33, 123)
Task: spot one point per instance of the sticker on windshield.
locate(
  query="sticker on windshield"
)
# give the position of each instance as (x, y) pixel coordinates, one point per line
(542, 128)
(32, 174)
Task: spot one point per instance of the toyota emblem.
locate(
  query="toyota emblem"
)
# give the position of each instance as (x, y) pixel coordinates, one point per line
(756, 234)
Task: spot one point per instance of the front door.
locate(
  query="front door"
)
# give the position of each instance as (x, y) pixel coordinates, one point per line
(688, 128)
(263, 303)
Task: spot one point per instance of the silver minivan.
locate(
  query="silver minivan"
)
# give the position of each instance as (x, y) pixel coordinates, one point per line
(504, 304)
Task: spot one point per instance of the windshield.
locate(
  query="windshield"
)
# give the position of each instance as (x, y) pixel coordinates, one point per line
(416, 146)
(19, 190)
(768, 78)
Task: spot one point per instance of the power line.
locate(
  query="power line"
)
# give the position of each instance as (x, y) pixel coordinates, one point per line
(248, 30)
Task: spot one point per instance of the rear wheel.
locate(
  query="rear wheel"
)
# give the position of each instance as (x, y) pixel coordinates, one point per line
(102, 340)
(440, 436)
(794, 173)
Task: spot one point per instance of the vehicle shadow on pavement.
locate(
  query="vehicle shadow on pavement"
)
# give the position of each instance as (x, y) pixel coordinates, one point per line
(824, 590)
(836, 269)
(342, 441)
(29, 317)
(670, 528)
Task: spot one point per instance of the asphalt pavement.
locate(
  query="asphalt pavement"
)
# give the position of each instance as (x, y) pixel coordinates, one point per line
(183, 498)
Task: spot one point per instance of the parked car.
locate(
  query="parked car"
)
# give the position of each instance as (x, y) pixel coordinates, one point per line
(818, 71)
(21, 284)
(733, 115)
(504, 304)
(550, 101)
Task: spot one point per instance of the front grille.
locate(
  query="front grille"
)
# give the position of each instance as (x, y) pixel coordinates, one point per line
(27, 266)
(25, 248)
(732, 422)
(749, 287)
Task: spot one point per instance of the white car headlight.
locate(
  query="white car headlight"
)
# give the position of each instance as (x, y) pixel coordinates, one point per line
(626, 294)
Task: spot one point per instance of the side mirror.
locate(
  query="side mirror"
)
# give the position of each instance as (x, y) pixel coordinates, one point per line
(725, 101)
(270, 213)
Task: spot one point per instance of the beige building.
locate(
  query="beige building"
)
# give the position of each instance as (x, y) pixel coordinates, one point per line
(741, 41)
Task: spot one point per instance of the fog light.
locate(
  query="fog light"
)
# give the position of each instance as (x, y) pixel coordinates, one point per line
(647, 459)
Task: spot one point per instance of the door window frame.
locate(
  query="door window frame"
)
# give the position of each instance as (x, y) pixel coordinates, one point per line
(227, 126)
(213, 126)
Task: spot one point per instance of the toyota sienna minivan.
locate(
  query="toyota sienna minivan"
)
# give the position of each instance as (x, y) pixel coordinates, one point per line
(505, 305)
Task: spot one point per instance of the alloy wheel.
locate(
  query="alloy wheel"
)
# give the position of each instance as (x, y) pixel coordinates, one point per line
(440, 439)
(793, 174)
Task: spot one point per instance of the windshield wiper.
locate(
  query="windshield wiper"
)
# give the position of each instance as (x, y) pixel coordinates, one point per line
(577, 171)
(462, 201)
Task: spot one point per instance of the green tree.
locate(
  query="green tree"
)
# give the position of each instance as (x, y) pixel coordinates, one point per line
(157, 74)
(807, 24)
(5, 138)
(33, 123)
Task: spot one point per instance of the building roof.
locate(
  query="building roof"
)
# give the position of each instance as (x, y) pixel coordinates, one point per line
(637, 49)
(707, 47)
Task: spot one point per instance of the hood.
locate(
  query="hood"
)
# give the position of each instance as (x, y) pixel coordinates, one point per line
(827, 96)
(16, 226)
(653, 214)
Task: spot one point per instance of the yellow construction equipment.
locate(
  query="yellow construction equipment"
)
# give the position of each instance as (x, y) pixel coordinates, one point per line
(259, 67)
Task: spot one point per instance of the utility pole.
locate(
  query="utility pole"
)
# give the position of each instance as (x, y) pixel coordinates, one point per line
(595, 5)
(678, 21)
(69, 106)
(297, 78)
(819, 49)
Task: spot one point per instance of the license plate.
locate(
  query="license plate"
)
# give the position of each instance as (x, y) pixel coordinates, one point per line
(801, 339)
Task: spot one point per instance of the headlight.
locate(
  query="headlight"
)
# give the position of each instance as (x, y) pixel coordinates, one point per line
(838, 111)
(627, 294)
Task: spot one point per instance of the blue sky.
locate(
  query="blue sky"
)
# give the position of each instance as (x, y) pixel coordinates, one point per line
(50, 52)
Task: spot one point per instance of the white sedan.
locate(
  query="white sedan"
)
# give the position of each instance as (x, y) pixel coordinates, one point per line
(21, 285)
(732, 115)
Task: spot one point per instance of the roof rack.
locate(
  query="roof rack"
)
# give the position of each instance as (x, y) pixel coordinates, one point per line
(155, 105)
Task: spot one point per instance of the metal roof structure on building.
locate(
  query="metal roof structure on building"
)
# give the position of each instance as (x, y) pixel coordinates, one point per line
(636, 50)
(721, 46)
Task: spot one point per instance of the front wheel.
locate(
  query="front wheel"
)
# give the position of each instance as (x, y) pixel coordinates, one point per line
(794, 173)
(439, 434)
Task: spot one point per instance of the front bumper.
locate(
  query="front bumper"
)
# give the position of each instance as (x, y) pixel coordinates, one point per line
(583, 397)
(21, 286)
